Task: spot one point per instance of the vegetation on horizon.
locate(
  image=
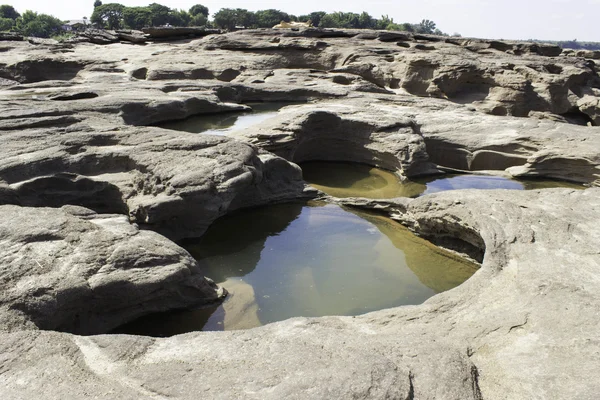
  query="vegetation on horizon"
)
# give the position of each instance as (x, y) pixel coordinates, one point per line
(118, 16)
(30, 23)
(115, 16)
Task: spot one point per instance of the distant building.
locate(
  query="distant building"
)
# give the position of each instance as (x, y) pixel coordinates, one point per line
(76, 25)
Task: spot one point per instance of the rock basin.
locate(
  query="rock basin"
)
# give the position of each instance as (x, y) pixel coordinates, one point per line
(309, 260)
(226, 123)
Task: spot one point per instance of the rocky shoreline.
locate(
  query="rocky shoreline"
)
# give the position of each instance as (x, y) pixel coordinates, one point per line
(92, 195)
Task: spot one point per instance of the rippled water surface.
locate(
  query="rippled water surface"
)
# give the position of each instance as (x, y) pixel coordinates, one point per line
(309, 260)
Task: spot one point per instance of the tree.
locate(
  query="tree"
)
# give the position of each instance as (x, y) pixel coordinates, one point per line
(269, 18)
(199, 9)
(229, 18)
(426, 26)
(6, 24)
(341, 20)
(38, 25)
(137, 17)
(365, 21)
(97, 3)
(160, 14)
(109, 15)
(180, 18)
(7, 11)
(314, 17)
(198, 20)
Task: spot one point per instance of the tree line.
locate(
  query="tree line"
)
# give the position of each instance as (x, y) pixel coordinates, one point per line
(29, 23)
(574, 44)
(118, 16)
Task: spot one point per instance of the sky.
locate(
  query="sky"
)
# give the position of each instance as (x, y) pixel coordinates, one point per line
(493, 19)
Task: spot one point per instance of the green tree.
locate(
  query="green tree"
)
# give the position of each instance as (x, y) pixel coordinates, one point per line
(269, 18)
(180, 18)
(198, 20)
(38, 25)
(426, 26)
(365, 21)
(385, 22)
(160, 14)
(137, 17)
(7, 11)
(341, 20)
(6, 24)
(199, 9)
(108, 15)
(229, 18)
(314, 17)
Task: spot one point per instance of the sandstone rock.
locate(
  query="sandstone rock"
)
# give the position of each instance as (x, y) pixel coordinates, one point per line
(177, 184)
(370, 134)
(590, 105)
(100, 36)
(177, 31)
(73, 270)
(131, 36)
(476, 341)
(590, 54)
(524, 326)
(393, 36)
(10, 36)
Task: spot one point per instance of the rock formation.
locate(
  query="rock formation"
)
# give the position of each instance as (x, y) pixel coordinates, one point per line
(92, 192)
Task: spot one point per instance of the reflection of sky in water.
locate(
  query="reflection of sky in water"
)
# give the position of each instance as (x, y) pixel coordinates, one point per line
(298, 260)
(225, 123)
(471, 182)
(357, 180)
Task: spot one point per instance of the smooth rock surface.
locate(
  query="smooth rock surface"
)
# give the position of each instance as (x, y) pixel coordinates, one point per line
(70, 269)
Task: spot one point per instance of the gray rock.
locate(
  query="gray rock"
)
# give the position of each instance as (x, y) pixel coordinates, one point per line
(524, 326)
(100, 36)
(73, 270)
(177, 31)
(480, 340)
(372, 134)
(10, 36)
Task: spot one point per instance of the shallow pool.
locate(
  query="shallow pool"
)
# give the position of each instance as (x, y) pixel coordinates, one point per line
(225, 123)
(309, 260)
(358, 180)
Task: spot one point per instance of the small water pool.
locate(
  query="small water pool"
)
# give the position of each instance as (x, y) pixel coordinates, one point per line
(309, 260)
(225, 123)
(340, 179)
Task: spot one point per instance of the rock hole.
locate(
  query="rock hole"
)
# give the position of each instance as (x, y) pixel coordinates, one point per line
(140, 73)
(309, 259)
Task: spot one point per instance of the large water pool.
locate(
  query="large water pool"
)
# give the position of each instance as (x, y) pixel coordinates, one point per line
(308, 259)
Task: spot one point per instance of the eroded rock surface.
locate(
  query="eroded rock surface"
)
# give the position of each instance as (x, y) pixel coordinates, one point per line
(483, 339)
(70, 269)
(75, 128)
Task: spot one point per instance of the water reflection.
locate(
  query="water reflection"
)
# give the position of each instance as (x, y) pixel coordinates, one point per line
(309, 260)
(225, 123)
(340, 179)
(357, 180)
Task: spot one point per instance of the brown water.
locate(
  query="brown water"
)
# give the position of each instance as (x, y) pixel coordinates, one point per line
(225, 123)
(309, 260)
(358, 180)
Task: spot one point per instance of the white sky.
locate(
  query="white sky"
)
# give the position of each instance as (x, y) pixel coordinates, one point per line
(499, 19)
